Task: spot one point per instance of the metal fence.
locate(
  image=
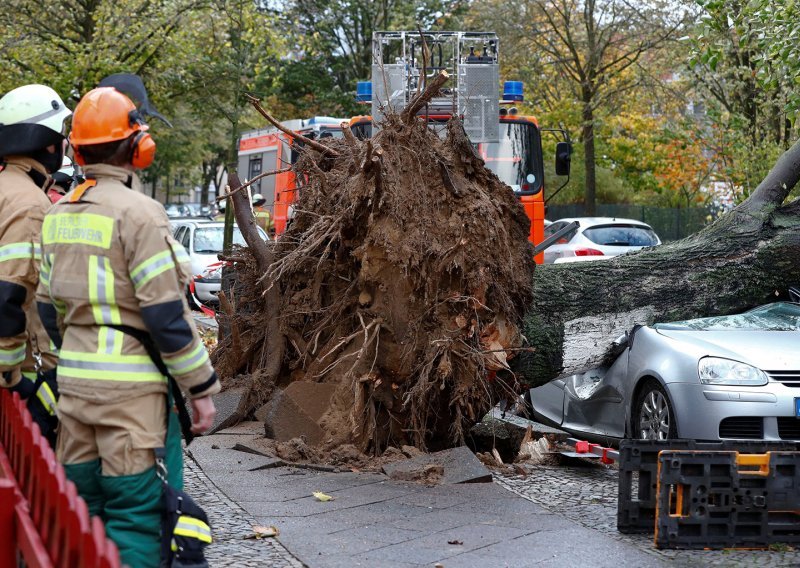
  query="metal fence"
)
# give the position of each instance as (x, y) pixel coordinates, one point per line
(668, 223)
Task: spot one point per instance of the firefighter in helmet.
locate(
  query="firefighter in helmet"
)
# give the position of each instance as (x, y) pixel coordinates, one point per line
(32, 145)
(116, 275)
(261, 213)
(220, 216)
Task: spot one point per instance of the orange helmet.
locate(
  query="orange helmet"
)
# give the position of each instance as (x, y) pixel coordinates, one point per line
(106, 115)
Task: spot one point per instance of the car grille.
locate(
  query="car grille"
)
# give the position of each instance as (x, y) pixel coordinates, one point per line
(742, 427)
(788, 378)
(789, 428)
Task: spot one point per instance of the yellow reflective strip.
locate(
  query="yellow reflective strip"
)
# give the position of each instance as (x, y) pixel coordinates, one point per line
(152, 267)
(101, 340)
(142, 266)
(110, 298)
(93, 296)
(12, 356)
(103, 375)
(105, 357)
(47, 398)
(193, 528)
(78, 228)
(14, 251)
(31, 375)
(182, 358)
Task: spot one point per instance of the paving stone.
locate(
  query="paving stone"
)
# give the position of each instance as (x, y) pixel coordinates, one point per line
(284, 420)
(460, 466)
(230, 524)
(247, 428)
(227, 404)
(312, 398)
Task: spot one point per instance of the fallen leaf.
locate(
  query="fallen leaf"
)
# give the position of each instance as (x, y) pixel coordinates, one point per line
(263, 532)
(322, 497)
(455, 542)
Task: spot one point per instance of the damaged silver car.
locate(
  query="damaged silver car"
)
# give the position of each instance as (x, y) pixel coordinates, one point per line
(718, 378)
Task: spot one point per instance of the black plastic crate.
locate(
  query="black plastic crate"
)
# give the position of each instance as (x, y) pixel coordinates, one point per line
(724, 499)
(638, 475)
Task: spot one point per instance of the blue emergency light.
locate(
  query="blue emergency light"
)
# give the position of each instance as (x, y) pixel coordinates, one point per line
(364, 92)
(512, 91)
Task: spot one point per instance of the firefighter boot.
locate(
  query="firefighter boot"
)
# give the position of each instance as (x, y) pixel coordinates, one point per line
(133, 516)
(86, 477)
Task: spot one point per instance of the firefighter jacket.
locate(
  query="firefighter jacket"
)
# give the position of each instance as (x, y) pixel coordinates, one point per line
(109, 259)
(23, 205)
(263, 218)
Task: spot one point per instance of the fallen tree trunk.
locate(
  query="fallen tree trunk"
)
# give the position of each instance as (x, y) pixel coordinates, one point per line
(748, 257)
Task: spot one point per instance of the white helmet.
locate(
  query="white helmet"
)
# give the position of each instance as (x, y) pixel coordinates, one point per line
(258, 199)
(221, 205)
(34, 104)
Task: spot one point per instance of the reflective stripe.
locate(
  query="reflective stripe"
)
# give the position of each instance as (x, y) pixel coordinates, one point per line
(151, 268)
(189, 362)
(37, 251)
(47, 398)
(102, 366)
(104, 307)
(180, 253)
(12, 356)
(30, 375)
(15, 251)
(193, 528)
(44, 271)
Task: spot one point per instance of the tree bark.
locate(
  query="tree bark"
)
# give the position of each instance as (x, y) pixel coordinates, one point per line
(746, 258)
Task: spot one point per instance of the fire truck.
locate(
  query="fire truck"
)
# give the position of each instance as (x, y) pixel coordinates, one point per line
(509, 143)
(271, 149)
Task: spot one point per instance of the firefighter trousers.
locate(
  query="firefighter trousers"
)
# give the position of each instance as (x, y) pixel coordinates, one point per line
(108, 451)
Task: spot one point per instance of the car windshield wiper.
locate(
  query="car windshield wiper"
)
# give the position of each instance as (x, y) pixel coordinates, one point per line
(617, 244)
(207, 251)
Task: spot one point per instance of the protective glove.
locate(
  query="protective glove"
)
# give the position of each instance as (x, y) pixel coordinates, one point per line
(25, 387)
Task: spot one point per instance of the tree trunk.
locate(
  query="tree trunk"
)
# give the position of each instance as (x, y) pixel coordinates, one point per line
(746, 258)
(587, 133)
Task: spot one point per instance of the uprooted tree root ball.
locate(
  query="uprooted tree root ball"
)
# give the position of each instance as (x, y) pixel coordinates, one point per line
(403, 279)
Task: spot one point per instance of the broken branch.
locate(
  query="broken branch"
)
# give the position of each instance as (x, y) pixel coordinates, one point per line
(252, 181)
(307, 141)
(431, 90)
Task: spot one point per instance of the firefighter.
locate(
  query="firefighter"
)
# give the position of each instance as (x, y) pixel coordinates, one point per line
(261, 213)
(32, 147)
(116, 276)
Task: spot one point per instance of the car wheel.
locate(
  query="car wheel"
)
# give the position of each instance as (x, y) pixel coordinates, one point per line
(653, 417)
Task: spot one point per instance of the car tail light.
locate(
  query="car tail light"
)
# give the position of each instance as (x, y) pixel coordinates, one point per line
(588, 252)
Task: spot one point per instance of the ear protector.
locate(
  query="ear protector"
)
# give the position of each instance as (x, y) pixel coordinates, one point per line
(143, 150)
(143, 147)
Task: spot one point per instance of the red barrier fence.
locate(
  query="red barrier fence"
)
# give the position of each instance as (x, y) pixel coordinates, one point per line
(43, 521)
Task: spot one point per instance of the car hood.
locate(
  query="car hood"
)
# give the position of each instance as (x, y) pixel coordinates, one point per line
(767, 350)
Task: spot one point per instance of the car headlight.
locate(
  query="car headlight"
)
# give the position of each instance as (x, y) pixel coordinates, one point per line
(717, 371)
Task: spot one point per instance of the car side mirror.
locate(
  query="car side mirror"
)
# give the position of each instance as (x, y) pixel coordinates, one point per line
(563, 158)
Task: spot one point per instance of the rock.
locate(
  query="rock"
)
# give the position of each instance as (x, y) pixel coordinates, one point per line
(230, 411)
(411, 451)
(430, 474)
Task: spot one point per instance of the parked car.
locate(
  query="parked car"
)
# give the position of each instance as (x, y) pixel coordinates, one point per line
(730, 377)
(597, 238)
(187, 210)
(202, 240)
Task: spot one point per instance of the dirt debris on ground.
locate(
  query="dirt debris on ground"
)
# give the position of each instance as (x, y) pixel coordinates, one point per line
(403, 279)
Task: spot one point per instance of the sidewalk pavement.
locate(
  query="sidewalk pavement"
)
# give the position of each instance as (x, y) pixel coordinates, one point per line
(379, 523)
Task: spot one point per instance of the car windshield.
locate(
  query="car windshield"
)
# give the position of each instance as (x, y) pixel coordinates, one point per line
(208, 240)
(780, 316)
(621, 235)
